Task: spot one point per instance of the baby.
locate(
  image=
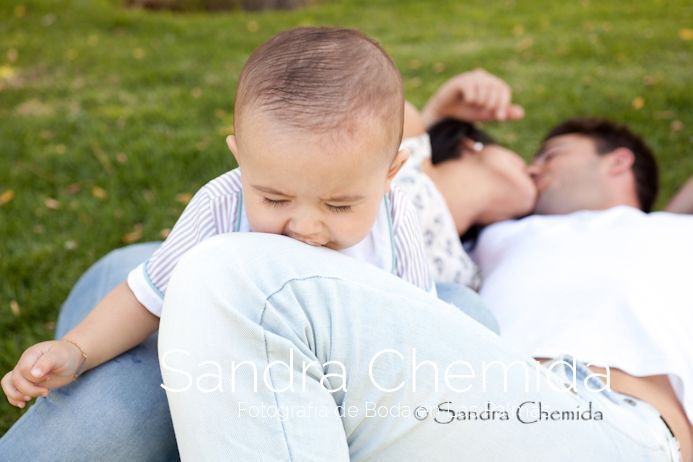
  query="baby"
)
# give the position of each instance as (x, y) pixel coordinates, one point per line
(318, 121)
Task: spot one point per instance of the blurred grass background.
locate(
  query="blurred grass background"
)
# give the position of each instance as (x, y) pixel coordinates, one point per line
(111, 118)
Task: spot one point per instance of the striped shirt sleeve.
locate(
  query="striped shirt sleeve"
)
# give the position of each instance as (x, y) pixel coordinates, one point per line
(210, 212)
(410, 255)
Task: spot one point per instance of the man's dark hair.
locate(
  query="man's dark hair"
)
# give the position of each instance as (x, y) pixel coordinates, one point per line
(322, 78)
(608, 136)
(448, 139)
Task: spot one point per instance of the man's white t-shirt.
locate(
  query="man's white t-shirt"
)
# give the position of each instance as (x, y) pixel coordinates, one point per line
(611, 287)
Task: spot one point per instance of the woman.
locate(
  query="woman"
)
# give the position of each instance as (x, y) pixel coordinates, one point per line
(459, 179)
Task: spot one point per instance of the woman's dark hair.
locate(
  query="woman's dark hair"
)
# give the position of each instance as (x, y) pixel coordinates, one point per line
(448, 137)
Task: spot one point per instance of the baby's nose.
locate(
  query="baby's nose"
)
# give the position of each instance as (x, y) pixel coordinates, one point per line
(307, 230)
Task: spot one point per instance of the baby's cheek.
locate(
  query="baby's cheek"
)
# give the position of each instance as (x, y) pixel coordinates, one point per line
(353, 230)
(261, 222)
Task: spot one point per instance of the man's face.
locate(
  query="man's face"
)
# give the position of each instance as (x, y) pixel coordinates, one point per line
(323, 189)
(569, 175)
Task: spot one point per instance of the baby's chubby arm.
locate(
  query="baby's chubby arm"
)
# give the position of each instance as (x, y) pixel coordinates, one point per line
(118, 323)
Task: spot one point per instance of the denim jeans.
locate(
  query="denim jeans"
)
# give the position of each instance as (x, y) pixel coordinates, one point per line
(118, 411)
(274, 350)
(114, 412)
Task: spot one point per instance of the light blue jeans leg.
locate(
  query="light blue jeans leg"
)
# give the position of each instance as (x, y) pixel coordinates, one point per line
(115, 412)
(469, 302)
(274, 350)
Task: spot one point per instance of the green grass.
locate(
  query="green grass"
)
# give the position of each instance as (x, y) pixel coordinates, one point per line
(95, 99)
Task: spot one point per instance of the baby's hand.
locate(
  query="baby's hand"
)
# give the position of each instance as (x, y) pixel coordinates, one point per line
(42, 366)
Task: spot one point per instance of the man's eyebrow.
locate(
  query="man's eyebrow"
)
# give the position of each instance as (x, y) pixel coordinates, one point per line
(547, 147)
(268, 190)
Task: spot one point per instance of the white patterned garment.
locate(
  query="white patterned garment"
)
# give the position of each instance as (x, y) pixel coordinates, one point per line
(447, 258)
(394, 243)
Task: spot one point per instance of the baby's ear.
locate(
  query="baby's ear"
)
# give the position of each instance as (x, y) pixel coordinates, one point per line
(397, 163)
(233, 147)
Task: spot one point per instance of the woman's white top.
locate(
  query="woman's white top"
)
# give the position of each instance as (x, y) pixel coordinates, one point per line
(447, 258)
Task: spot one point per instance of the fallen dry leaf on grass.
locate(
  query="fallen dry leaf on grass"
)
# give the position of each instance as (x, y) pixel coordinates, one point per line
(12, 55)
(73, 188)
(686, 34)
(134, 235)
(638, 103)
(6, 197)
(438, 68)
(184, 198)
(99, 192)
(14, 307)
(7, 72)
(51, 203)
(252, 26)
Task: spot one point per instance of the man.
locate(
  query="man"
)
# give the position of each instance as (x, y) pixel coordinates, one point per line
(593, 275)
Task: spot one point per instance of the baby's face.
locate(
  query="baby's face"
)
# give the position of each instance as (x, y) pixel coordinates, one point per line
(322, 189)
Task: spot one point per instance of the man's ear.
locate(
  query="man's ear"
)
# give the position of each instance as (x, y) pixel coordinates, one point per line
(620, 160)
(397, 163)
(233, 147)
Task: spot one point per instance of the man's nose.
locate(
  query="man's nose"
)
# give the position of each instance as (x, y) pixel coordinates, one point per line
(533, 169)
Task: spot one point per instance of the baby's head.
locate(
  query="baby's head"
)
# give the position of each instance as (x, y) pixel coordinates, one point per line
(318, 121)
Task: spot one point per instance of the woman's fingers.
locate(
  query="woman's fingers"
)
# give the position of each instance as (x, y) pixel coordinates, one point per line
(488, 93)
(515, 112)
(484, 93)
(494, 102)
(473, 96)
(504, 96)
(470, 92)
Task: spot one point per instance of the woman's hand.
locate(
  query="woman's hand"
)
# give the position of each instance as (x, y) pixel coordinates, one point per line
(42, 366)
(474, 96)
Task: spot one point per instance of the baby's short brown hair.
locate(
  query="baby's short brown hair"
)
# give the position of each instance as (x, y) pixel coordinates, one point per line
(320, 79)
